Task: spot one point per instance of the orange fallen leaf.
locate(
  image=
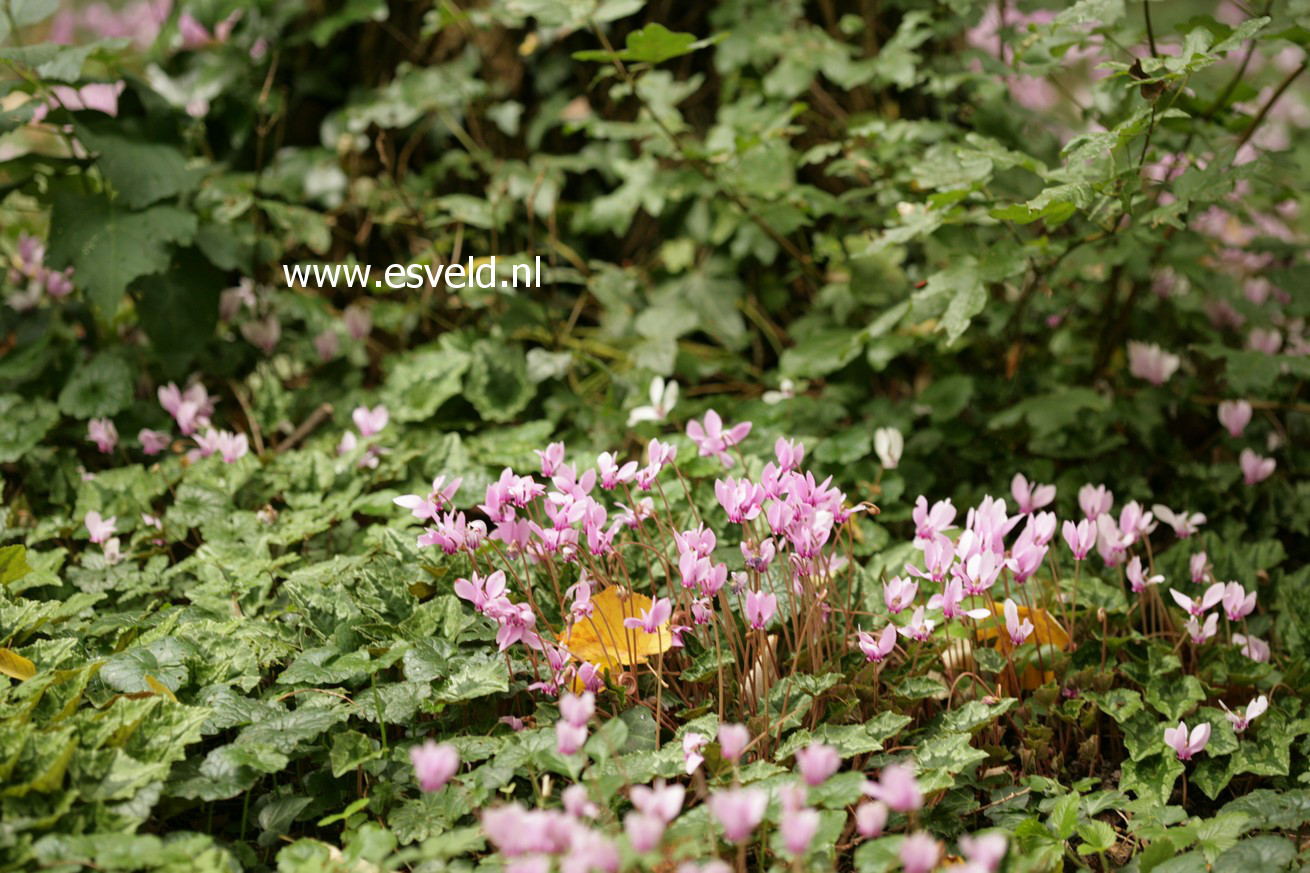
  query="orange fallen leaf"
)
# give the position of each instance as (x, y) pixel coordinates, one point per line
(1046, 632)
(15, 665)
(602, 639)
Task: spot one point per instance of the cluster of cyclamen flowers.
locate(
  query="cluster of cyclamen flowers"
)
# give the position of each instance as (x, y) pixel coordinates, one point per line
(788, 518)
(32, 278)
(191, 410)
(971, 563)
(572, 837)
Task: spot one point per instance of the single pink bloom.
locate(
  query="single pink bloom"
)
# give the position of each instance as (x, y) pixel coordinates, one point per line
(153, 441)
(712, 440)
(733, 739)
(984, 851)
(659, 799)
(651, 619)
(1030, 497)
(370, 421)
(1094, 500)
(1237, 603)
(879, 648)
(1255, 469)
(644, 831)
(569, 738)
(99, 528)
(871, 818)
(920, 853)
(1018, 631)
(692, 743)
(1202, 604)
(738, 811)
(327, 344)
(102, 432)
(434, 764)
(1235, 415)
(760, 608)
(577, 709)
(798, 829)
(896, 787)
(817, 762)
(1184, 744)
(1080, 537)
(359, 324)
(1254, 709)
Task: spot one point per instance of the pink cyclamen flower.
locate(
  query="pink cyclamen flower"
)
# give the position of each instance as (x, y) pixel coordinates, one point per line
(930, 522)
(1252, 647)
(1237, 603)
(1184, 744)
(920, 853)
(370, 421)
(551, 457)
(660, 611)
(480, 591)
(1202, 633)
(871, 818)
(577, 803)
(1202, 604)
(1094, 500)
(692, 744)
(659, 799)
(1255, 469)
(1235, 415)
(1241, 721)
(1018, 631)
(738, 811)
(798, 829)
(232, 447)
(760, 608)
(817, 762)
(644, 831)
(1196, 566)
(327, 344)
(430, 506)
(569, 738)
(712, 440)
(153, 441)
(1184, 524)
(1030, 497)
(896, 787)
(789, 453)
(1150, 362)
(919, 628)
(984, 851)
(359, 323)
(100, 529)
(899, 593)
(434, 764)
(950, 600)
(1137, 577)
(102, 432)
(878, 648)
(733, 739)
(577, 709)
(1081, 537)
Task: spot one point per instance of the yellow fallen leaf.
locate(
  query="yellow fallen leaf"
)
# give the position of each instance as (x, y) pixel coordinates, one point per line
(602, 639)
(160, 688)
(1046, 632)
(16, 666)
